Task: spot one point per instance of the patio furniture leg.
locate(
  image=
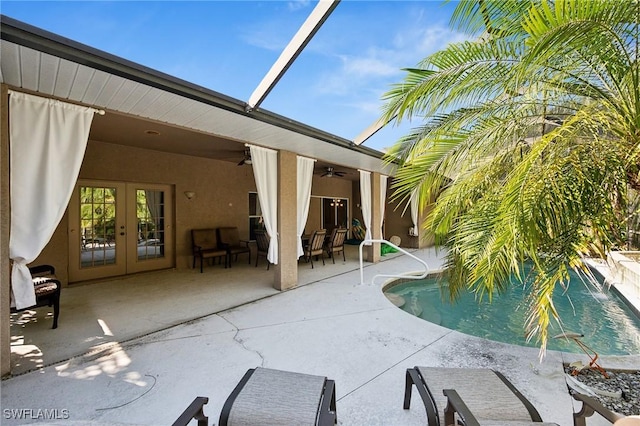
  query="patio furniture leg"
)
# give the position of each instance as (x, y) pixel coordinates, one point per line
(56, 309)
(407, 391)
(327, 412)
(412, 378)
(194, 411)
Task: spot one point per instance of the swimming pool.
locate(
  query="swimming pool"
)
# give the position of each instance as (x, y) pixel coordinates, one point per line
(608, 325)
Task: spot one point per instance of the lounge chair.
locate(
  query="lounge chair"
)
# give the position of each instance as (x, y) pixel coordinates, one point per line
(591, 406)
(274, 397)
(476, 395)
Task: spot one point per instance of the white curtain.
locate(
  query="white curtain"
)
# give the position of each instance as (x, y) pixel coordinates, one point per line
(265, 172)
(365, 202)
(47, 141)
(414, 211)
(305, 176)
(383, 201)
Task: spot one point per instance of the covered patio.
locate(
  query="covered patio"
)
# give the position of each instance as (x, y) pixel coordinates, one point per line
(100, 315)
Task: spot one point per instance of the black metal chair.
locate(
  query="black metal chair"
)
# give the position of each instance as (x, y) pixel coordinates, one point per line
(229, 240)
(204, 243)
(47, 288)
(262, 243)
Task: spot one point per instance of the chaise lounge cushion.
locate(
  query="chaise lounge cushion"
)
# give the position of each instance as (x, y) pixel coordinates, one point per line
(274, 397)
(477, 387)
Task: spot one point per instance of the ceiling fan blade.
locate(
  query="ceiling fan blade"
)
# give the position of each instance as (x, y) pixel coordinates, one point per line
(339, 174)
(241, 163)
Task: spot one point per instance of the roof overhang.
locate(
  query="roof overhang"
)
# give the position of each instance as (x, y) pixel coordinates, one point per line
(40, 62)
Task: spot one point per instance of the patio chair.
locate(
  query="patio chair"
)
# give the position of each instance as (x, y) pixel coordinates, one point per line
(274, 397)
(475, 395)
(229, 240)
(205, 246)
(315, 246)
(336, 243)
(47, 288)
(591, 406)
(262, 242)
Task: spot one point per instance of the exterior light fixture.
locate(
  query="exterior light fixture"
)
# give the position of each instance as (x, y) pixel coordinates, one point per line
(189, 194)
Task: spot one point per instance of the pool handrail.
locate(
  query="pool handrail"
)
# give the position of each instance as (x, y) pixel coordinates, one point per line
(411, 277)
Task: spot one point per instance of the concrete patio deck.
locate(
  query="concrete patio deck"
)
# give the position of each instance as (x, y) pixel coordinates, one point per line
(137, 350)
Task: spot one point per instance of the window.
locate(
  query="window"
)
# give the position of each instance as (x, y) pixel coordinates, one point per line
(255, 215)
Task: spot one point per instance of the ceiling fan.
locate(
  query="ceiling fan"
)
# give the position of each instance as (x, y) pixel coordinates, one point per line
(331, 172)
(247, 158)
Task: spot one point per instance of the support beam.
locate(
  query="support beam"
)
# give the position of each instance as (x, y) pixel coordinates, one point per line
(286, 271)
(5, 289)
(373, 251)
(369, 131)
(297, 44)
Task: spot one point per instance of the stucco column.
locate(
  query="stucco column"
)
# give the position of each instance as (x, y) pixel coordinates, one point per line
(373, 251)
(5, 314)
(425, 239)
(286, 271)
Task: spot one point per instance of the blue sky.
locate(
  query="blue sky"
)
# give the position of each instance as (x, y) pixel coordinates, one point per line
(335, 85)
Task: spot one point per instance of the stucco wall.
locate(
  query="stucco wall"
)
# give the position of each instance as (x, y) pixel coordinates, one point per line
(395, 223)
(221, 194)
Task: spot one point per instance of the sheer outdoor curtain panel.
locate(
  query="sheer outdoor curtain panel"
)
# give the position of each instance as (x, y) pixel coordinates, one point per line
(365, 202)
(383, 201)
(47, 140)
(265, 172)
(305, 176)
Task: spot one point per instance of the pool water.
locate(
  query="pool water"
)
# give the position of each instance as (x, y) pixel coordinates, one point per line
(608, 325)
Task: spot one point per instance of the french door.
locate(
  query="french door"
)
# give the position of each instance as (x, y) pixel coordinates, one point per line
(118, 228)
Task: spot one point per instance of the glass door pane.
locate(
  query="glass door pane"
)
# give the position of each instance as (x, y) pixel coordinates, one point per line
(149, 227)
(150, 207)
(97, 226)
(97, 246)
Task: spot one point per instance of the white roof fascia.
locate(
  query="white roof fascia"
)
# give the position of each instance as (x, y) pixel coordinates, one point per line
(304, 35)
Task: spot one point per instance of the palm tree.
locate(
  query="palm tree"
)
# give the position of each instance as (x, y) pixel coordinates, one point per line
(528, 143)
